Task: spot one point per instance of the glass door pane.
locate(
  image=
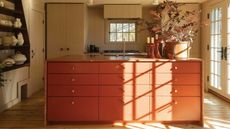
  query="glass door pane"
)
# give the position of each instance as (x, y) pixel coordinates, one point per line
(228, 48)
(215, 48)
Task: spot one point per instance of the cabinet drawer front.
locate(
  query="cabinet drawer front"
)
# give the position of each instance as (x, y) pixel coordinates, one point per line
(73, 68)
(177, 67)
(72, 109)
(126, 90)
(122, 108)
(124, 68)
(177, 109)
(170, 90)
(81, 79)
(72, 91)
(123, 79)
(176, 79)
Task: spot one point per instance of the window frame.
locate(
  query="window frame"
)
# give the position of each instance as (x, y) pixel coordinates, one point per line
(107, 30)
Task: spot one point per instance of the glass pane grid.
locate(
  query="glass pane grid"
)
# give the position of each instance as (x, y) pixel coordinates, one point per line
(215, 48)
(122, 32)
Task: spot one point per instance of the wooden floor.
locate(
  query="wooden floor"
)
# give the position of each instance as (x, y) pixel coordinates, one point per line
(30, 114)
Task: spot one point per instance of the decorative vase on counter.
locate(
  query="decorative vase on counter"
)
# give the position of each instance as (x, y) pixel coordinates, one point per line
(168, 50)
(182, 50)
(150, 50)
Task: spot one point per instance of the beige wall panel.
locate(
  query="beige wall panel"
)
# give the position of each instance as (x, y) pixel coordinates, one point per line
(56, 30)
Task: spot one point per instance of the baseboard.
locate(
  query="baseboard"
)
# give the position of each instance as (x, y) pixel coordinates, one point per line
(219, 96)
(8, 105)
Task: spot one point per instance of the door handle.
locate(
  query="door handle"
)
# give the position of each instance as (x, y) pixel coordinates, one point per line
(222, 53)
(226, 53)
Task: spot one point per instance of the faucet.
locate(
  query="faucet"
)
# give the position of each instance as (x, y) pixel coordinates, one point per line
(123, 47)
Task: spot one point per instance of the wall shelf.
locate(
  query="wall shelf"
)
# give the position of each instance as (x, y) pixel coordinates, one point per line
(11, 12)
(25, 49)
(11, 29)
(14, 47)
(6, 69)
(12, 1)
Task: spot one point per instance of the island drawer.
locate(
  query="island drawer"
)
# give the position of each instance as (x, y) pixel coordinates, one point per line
(72, 91)
(177, 67)
(124, 68)
(126, 90)
(80, 79)
(176, 79)
(170, 90)
(177, 109)
(72, 109)
(73, 67)
(123, 79)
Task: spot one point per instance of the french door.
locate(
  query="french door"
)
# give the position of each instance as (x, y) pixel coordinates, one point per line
(220, 48)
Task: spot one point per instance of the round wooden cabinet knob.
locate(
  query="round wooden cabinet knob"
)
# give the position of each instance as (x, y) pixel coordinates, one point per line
(175, 91)
(72, 102)
(175, 102)
(73, 68)
(73, 91)
(73, 79)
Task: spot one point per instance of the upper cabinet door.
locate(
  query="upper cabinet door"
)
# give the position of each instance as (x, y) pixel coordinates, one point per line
(56, 30)
(75, 26)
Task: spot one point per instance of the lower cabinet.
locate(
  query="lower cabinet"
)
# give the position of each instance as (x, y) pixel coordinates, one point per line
(72, 109)
(176, 109)
(124, 108)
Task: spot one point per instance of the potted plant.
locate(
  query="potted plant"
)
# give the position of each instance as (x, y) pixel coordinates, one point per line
(176, 27)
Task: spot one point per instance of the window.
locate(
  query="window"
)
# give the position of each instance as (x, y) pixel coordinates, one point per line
(122, 32)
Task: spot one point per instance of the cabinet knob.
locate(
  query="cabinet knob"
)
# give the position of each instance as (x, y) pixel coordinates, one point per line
(174, 91)
(175, 79)
(73, 68)
(67, 49)
(72, 102)
(61, 49)
(73, 79)
(174, 68)
(73, 91)
(175, 102)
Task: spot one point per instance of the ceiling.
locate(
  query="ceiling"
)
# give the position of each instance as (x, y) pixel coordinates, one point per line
(143, 2)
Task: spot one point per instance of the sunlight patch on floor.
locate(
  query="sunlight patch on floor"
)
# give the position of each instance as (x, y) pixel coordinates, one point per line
(217, 123)
(207, 101)
(146, 126)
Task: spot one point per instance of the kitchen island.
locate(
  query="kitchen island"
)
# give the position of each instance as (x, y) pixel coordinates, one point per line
(106, 89)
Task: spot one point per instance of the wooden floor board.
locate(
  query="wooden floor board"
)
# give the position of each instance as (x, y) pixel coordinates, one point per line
(29, 114)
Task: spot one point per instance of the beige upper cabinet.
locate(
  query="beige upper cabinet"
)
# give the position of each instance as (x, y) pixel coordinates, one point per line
(122, 11)
(65, 29)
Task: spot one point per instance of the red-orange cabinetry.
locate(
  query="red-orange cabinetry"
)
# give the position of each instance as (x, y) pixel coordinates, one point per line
(177, 91)
(72, 92)
(109, 91)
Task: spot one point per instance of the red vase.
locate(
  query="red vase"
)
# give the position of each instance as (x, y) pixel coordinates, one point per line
(157, 48)
(169, 50)
(150, 50)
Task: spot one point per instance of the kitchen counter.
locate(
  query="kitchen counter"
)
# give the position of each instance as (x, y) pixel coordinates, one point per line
(99, 58)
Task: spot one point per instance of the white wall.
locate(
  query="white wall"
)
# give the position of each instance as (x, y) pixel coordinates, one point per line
(9, 93)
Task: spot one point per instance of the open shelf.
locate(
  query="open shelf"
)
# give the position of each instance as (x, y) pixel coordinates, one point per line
(10, 12)
(13, 1)
(14, 47)
(14, 67)
(11, 29)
